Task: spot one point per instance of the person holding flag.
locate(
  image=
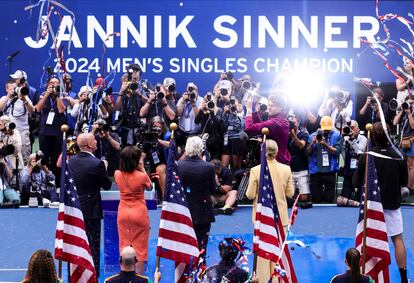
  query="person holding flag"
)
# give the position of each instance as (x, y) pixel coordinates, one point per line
(270, 215)
(177, 239)
(385, 173)
(72, 243)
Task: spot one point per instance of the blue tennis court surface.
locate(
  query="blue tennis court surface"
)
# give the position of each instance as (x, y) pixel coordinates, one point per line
(329, 231)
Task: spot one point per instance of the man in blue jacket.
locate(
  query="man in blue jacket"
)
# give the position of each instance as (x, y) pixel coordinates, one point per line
(324, 149)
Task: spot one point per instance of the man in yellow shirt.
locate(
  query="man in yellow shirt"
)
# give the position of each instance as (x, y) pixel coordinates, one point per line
(282, 184)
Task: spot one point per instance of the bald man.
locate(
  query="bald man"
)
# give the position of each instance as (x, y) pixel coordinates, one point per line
(128, 259)
(90, 176)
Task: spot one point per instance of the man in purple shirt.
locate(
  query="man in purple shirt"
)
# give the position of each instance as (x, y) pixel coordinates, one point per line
(277, 124)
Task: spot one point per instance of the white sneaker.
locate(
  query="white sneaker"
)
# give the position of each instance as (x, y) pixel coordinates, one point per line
(54, 204)
(33, 202)
(46, 202)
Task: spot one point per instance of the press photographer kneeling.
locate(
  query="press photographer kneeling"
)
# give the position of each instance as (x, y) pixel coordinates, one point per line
(38, 183)
(8, 196)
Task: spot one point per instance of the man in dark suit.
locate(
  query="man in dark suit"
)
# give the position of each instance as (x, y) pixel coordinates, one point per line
(90, 176)
(198, 179)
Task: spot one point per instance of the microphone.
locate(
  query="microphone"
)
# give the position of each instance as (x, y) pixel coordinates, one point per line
(11, 56)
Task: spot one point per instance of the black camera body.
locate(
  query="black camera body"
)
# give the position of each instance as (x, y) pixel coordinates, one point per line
(147, 139)
(320, 135)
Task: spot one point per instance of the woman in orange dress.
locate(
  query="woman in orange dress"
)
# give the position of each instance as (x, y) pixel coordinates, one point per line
(133, 221)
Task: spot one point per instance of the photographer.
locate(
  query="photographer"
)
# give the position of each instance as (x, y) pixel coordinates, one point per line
(72, 98)
(338, 105)
(159, 104)
(10, 136)
(354, 144)
(209, 119)
(129, 103)
(223, 90)
(277, 124)
(83, 109)
(171, 88)
(52, 117)
(324, 149)
(20, 78)
(38, 182)
(158, 152)
(225, 196)
(234, 143)
(298, 138)
(17, 106)
(370, 110)
(406, 120)
(8, 196)
(187, 109)
(108, 145)
(405, 83)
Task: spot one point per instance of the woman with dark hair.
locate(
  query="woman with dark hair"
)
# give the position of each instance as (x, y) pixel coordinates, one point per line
(353, 273)
(133, 221)
(41, 268)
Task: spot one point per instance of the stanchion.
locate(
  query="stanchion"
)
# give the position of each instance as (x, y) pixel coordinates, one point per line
(265, 132)
(368, 128)
(64, 129)
(173, 127)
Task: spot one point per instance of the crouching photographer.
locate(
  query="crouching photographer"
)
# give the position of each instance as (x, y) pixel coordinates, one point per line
(8, 196)
(354, 144)
(108, 145)
(225, 196)
(38, 183)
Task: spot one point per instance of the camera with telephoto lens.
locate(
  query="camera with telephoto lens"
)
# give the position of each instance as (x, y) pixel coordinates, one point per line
(340, 95)
(210, 102)
(247, 85)
(405, 106)
(147, 138)
(39, 158)
(397, 105)
(160, 95)
(262, 107)
(191, 94)
(319, 135)
(171, 88)
(233, 106)
(103, 126)
(21, 91)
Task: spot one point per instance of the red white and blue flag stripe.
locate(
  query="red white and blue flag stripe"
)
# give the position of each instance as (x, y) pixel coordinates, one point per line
(377, 248)
(268, 230)
(71, 243)
(176, 239)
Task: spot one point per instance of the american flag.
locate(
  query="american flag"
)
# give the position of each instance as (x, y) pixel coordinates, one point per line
(71, 243)
(377, 249)
(268, 230)
(176, 239)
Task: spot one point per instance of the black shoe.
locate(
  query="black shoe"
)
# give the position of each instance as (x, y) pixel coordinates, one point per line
(306, 205)
(226, 211)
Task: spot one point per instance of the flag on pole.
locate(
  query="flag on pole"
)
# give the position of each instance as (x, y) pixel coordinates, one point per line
(176, 239)
(377, 257)
(269, 235)
(71, 243)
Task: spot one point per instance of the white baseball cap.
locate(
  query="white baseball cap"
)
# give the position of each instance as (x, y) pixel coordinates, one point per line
(83, 89)
(168, 81)
(192, 85)
(19, 74)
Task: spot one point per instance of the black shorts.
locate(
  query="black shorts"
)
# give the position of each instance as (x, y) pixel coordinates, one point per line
(234, 147)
